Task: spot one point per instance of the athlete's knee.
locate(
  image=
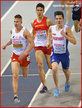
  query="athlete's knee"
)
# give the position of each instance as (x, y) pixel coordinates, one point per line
(40, 66)
(54, 69)
(25, 75)
(76, 29)
(76, 26)
(65, 70)
(50, 67)
(15, 76)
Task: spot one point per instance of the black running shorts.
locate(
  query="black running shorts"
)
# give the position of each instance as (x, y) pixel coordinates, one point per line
(76, 15)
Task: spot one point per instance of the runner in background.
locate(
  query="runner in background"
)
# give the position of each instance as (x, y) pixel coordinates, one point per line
(76, 14)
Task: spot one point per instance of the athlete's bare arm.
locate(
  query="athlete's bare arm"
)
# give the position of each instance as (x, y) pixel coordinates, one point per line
(27, 35)
(8, 43)
(48, 45)
(32, 31)
(69, 35)
(49, 22)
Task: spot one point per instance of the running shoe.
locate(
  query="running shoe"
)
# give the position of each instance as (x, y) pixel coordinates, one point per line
(56, 92)
(16, 100)
(67, 87)
(44, 89)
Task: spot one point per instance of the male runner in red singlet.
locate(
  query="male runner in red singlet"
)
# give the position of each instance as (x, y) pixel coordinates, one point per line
(20, 39)
(39, 33)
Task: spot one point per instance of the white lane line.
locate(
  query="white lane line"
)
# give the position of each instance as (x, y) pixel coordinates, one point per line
(9, 10)
(46, 9)
(50, 74)
(34, 97)
(79, 104)
(5, 67)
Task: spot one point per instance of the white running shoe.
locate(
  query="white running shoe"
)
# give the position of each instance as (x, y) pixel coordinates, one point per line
(16, 100)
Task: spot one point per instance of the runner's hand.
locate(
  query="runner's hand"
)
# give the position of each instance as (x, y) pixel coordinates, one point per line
(47, 45)
(4, 47)
(63, 33)
(22, 56)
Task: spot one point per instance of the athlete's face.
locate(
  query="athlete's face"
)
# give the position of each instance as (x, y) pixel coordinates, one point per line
(40, 12)
(59, 20)
(17, 22)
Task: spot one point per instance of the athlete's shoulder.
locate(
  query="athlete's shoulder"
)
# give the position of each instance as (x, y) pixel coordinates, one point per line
(52, 26)
(67, 28)
(49, 21)
(25, 30)
(35, 19)
(11, 31)
(34, 22)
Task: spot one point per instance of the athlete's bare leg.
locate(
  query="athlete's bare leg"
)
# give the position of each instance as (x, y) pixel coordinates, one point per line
(55, 73)
(76, 25)
(48, 60)
(25, 71)
(68, 14)
(68, 11)
(39, 58)
(15, 72)
(67, 74)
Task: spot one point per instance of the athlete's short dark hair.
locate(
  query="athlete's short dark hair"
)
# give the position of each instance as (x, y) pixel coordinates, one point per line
(58, 13)
(18, 16)
(40, 5)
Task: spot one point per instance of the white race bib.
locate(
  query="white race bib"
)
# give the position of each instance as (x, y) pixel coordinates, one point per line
(60, 48)
(41, 35)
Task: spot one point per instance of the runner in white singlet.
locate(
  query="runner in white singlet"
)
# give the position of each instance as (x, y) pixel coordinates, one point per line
(22, 44)
(60, 35)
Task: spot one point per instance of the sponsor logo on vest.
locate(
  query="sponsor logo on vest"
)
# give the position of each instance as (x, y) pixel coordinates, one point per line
(58, 38)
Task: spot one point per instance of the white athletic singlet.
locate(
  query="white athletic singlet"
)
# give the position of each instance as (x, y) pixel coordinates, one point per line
(59, 41)
(19, 42)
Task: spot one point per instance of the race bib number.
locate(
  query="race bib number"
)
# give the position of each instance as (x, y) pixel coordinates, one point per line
(41, 35)
(17, 45)
(59, 48)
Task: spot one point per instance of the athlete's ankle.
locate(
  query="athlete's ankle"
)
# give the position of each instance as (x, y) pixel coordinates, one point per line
(15, 95)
